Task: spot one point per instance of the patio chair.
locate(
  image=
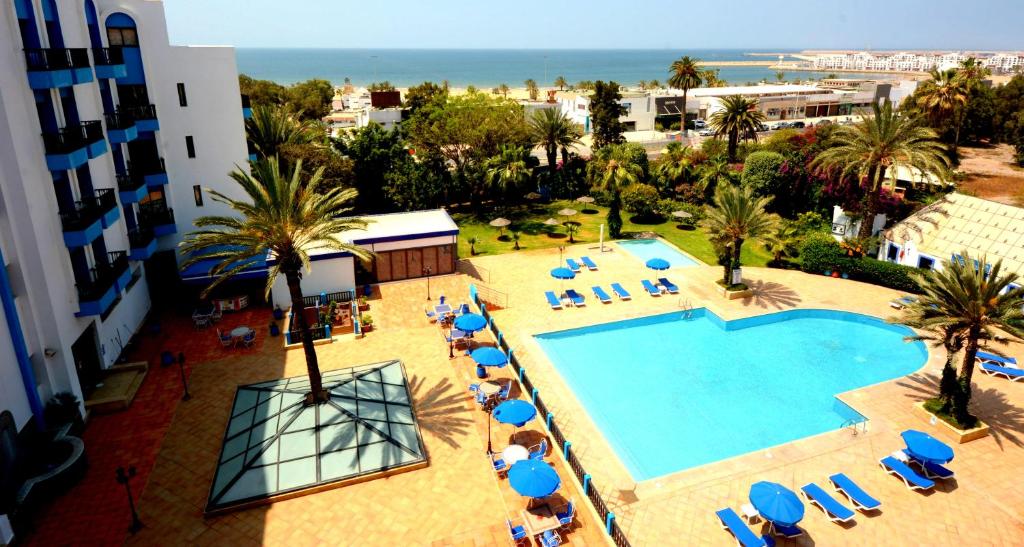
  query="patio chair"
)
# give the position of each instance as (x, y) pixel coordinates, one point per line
(541, 450)
(601, 295)
(1011, 374)
(573, 265)
(565, 517)
(201, 321)
(669, 286)
(216, 314)
(650, 288)
(835, 511)
(588, 263)
(505, 390)
(553, 300)
(910, 478)
(860, 499)
(902, 302)
(442, 300)
(474, 388)
(499, 465)
(463, 309)
(993, 359)
(744, 536)
(550, 538)
(249, 339)
(481, 398)
(577, 298)
(518, 533)
(225, 339)
(623, 294)
(431, 316)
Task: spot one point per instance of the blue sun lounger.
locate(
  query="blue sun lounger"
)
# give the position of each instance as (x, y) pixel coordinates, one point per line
(902, 471)
(745, 537)
(860, 499)
(553, 300)
(577, 298)
(588, 263)
(835, 511)
(784, 530)
(623, 294)
(930, 470)
(1011, 374)
(669, 286)
(984, 357)
(650, 288)
(601, 295)
(573, 265)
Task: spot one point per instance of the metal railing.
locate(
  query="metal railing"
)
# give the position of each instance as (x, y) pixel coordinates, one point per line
(140, 237)
(324, 299)
(102, 276)
(128, 183)
(155, 213)
(143, 168)
(88, 210)
(563, 446)
(118, 120)
(72, 137)
(107, 56)
(41, 59)
(140, 112)
(319, 332)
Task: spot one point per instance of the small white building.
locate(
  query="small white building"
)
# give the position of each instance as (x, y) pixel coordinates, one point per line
(405, 246)
(639, 116)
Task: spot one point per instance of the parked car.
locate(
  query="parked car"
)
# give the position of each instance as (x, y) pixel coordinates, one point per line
(780, 125)
(797, 125)
(707, 132)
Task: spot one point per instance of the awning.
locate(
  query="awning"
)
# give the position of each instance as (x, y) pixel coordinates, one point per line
(199, 273)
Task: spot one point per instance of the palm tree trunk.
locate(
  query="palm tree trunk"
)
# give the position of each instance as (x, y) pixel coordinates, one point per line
(552, 152)
(565, 156)
(737, 249)
(734, 138)
(316, 390)
(682, 114)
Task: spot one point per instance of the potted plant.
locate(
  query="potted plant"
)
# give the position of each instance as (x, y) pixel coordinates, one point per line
(62, 410)
(274, 329)
(278, 313)
(363, 304)
(367, 322)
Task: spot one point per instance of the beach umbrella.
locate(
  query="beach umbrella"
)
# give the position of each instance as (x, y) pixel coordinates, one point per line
(533, 478)
(563, 273)
(515, 412)
(489, 356)
(533, 196)
(681, 214)
(776, 503)
(552, 222)
(925, 448)
(500, 224)
(470, 322)
(567, 212)
(585, 199)
(658, 264)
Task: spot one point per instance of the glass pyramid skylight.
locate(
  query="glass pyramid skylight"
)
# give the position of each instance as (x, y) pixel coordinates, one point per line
(275, 444)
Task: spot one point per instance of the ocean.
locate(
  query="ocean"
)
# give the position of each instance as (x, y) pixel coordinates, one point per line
(486, 68)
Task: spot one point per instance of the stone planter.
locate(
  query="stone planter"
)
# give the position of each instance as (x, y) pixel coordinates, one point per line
(733, 294)
(950, 431)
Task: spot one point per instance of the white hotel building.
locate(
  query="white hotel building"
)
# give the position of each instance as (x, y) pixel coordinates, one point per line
(107, 136)
(913, 62)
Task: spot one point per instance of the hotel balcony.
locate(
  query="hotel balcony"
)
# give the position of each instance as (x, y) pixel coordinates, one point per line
(98, 293)
(153, 172)
(121, 127)
(246, 107)
(70, 147)
(50, 68)
(88, 219)
(144, 116)
(253, 155)
(131, 189)
(109, 62)
(142, 241)
(156, 215)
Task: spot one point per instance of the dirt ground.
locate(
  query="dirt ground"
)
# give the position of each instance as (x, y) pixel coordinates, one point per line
(991, 174)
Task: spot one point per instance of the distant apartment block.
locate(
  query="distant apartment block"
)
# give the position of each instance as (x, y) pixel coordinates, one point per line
(914, 62)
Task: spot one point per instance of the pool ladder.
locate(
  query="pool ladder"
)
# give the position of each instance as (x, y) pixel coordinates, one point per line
(854, 425)
(686, 307)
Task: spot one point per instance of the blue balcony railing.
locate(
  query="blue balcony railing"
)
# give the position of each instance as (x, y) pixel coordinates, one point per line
(57, 67)
(98, 291)
(120, 127)
(85, 222)
(152, 171)
(71, 146)
(109, 62)
(142, 241)
(131, 189)
(144, 115)
(158, 216)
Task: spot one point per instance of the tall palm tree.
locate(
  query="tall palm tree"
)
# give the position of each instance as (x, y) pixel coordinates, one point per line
(654, 84)
(961, 305)
(944, 97)
(282, 215)
(674, 164)
(272, 127)
(531, 88)
(736, 216)
(618, 173)
(685, 74)
(503, 89)
(552, 129)
(561, 83)
(739, 118)
(508, 171)
(782, 241)
(884, 140)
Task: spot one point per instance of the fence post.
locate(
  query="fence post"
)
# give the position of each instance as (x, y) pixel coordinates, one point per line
(522, 371)
(608, 522)
(499, 335)
(327, 331)
(533, 396)
(565, 450)
(586, 483)
(547, 421)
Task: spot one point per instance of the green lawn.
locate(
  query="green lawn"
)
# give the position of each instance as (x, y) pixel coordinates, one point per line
(534, 234)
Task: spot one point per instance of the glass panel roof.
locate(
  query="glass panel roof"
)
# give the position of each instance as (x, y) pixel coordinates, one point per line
(274, 444)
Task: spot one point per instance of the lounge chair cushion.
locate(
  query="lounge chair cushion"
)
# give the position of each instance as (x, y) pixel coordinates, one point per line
(991, 357)
(553, 300)
(817, 496)
(739, 529)
(588, 263)
(860, 499)
(601, 295)
(577, 298)
(669, 286)
(650, 288)
(1012, 374)
(909, 476)
(623, 294)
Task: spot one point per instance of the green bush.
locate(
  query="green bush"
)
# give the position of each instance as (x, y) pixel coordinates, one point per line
(714, 147)
(761, 172)
(746, 148)
(640, 199)
(821, 253)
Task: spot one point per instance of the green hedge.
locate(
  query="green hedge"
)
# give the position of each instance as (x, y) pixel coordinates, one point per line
(822, 253)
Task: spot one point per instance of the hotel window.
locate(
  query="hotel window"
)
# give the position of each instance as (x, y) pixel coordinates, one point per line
(182, 99)
(190, 146)
(197, 193)
(925, 262)
(122, 37)
(892, 254)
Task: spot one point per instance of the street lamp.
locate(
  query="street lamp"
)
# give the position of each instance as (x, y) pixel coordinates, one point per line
(426, 273)
(125, 477)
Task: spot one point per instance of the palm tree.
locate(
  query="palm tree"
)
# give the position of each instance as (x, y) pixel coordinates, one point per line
(619, 173)
(654, 84)
(287, 217)
(552, 129)
(739, 118)
(711, 78)
(272, 127)
(642, 84)
(503, 89)
(673, 165)
(961, 305)
(572, 228)
(508, 171)
(782, 241)
(515, 237)
(713, 172)
(737, 215)
(779, 76)
(944, 97)
(884, 140)
(561, 83)
(531, 88)
(685, 75)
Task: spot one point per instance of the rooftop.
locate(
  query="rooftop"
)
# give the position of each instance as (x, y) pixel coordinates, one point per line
(411, 225)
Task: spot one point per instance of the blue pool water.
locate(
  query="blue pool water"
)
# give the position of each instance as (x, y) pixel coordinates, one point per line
(646, 249)
(670, 392)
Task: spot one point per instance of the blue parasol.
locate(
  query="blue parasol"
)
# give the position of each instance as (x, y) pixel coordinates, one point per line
(515, 412)
(533, 478)
(562, 273)
(489, 357)
(658, 264)
(923, 447)
(776, 503)
(470, 322)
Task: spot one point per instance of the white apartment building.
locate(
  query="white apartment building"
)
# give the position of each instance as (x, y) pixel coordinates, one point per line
(914, 62)
(641, 110)
(108, 135)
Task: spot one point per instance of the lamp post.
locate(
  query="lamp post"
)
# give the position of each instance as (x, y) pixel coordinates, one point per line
(451, 345)
(184, 380)
(426, 273)
(124, 477)
(561, 249)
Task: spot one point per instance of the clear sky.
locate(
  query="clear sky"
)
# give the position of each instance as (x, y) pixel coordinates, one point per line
(675, 24)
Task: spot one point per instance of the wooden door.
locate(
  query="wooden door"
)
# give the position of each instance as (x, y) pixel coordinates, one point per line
(414, 259)
(398, 269)
(430, 259)
(383, 261)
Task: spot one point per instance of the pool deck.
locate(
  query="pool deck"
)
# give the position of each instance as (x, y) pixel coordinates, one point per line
(679, 508)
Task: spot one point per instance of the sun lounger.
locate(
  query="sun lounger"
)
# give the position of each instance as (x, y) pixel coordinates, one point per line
(623, 294)
(601, 295)
(784, 530)
(669, 286)
(853, 492)
(984, 357)
(553, 300)
(650, 288)
(573, 265)
(835, 511)
(588, 263)
(577, 298)
(744, 536)
(902, 302)
(1011, 374)
(909, 477)
(930, 470)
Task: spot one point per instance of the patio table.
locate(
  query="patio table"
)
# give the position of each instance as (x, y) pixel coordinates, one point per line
(539, 519)
(490, 388)
(443, 309)
(238, 333)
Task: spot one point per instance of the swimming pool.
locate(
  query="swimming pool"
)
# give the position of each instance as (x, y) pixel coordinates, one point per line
(678, 390)
(646, 249)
